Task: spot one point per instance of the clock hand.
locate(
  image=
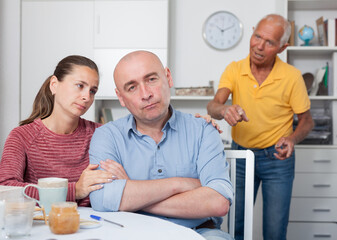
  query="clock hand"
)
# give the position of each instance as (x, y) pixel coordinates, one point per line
(225, 29)
(222, 30)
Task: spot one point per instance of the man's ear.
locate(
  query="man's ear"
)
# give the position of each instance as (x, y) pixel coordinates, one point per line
(120, 98)
(53, 82)
(169, 77)
(283, 47)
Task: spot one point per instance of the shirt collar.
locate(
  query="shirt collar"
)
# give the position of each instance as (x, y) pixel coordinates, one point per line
(274, 72)
(246, 66)
(171, 123)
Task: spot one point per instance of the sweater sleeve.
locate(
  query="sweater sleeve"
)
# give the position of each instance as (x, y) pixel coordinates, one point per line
(13, 164)
(71, 196)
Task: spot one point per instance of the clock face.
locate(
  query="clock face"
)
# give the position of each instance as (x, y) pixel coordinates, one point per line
(222, 30)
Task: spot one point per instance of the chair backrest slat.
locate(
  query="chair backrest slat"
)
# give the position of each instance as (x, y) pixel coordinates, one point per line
(248, 155)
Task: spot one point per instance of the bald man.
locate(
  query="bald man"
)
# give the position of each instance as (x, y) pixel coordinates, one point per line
(266, 93)
(169, 164)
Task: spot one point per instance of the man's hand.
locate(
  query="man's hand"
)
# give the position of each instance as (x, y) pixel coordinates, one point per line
(284, 148)
(235, 114)
(91, 180)
(209, 119)
(115, 168)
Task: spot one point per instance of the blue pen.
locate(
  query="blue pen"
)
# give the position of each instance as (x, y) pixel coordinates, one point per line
(100, 218)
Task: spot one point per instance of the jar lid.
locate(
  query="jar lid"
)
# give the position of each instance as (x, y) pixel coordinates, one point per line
(64, 206)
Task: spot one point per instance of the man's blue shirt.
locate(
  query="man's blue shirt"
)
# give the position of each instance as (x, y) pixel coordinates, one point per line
(190, 147)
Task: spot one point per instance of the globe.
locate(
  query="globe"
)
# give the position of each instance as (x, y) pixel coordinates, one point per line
(306, 34)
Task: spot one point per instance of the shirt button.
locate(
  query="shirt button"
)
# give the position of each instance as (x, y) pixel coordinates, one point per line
(160, 171)
(255, 86)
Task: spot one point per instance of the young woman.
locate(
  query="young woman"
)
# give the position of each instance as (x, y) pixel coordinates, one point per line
(54, 140)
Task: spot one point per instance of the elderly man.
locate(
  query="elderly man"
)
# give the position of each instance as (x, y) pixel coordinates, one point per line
(266, 93)
(169, 164)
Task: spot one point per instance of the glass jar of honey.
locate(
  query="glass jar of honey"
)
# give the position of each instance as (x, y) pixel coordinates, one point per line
(64, 218)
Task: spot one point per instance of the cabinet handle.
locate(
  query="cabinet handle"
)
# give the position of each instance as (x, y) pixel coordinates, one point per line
(322, 161)
(322, 235)
(98, 24)
(321, 185)
(320, 210)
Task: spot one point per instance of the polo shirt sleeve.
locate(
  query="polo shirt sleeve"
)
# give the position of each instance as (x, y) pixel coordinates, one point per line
(227, 77)
(213, 168)
(103, 146)
(299, 100)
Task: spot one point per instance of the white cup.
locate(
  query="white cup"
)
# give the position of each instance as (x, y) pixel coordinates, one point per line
(51, 190)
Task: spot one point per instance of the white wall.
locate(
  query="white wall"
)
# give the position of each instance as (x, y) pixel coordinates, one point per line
(9, 67)
(191, 60)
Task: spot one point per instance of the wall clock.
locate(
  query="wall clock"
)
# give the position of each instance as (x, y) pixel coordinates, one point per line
(222, 30)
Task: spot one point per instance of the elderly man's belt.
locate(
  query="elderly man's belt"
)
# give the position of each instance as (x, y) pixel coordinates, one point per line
(208, 224)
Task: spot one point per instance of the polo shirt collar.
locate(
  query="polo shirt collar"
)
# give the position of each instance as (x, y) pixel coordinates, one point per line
(275, 72)
(246, 67)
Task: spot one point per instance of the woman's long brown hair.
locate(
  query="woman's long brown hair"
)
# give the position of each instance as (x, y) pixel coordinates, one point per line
(44, 101)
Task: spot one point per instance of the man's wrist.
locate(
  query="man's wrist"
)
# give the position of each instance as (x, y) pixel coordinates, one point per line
(223, 111)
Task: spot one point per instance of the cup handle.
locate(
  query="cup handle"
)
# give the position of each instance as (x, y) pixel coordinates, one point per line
(24, 192)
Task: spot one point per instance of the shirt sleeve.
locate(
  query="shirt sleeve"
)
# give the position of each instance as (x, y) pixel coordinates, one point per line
(103, 146)
(226, 79)
(212, 165)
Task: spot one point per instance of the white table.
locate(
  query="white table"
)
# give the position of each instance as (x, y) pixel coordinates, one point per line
(136, 226)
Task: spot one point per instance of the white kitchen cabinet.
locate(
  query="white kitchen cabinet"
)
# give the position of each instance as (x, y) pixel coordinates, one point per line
(131, 24)
(313, 211)
(103, 30)
(121, 27)
(50, 31)
(106, 60)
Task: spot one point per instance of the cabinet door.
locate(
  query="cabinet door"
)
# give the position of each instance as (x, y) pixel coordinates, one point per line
(315, 185)
(131, 24)
(51, 30)
(311, 231)
(106, 60)
(316, 160)
(313, 209)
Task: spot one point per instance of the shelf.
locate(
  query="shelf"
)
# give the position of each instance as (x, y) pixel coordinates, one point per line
(312, 4)
(318, 147)
(106, 98)
(201, 98)
(311, 49)
(207, 98)
(332, 98)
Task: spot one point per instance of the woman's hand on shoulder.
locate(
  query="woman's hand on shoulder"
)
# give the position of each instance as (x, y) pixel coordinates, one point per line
(209, 119)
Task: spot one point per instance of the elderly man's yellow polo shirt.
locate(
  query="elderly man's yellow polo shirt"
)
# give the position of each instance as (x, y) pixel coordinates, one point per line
(269, 107)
